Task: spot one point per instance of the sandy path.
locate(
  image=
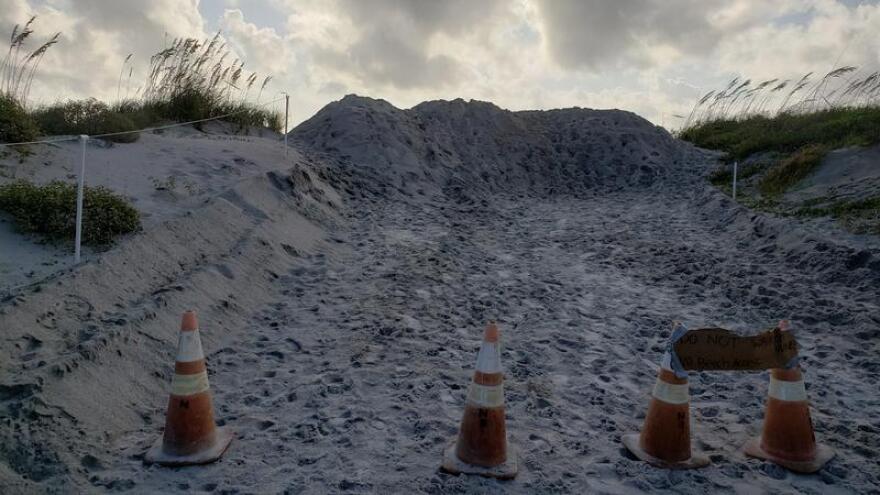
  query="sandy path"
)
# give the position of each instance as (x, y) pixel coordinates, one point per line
(354, 379)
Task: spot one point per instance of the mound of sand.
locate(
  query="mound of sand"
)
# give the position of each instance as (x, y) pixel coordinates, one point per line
(342, 298)
(475, 146)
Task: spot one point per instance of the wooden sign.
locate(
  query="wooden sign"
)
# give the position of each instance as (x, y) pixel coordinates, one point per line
(720, 349)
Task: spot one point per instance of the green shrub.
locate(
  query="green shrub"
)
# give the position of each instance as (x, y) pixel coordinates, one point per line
(89, 116)
(792, 170)
(112, 122)
(50, 210)
(15, 123)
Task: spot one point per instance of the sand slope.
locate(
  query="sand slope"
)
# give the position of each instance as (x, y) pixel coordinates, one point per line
(342, 301)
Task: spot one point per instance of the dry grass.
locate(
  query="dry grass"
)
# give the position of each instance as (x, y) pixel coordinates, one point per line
(17, 71)
(843, 87)
(190, 80)
(19, 66)
(792, 170)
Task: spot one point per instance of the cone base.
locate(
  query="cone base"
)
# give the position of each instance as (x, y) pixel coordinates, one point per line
(156, 454)
(631, 442)
(453, 465)
(823, 455)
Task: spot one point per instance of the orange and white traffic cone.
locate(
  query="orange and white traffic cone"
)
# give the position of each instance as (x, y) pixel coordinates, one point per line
(191, 437)
(787, 438)
(665, 440)
(482, 446)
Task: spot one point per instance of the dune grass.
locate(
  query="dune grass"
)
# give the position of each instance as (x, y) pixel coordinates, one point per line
(797, 143)
(192, 80)
(843, 87)
(787, 133)
(19, 66)
(786, 117)
(189, 80)
(792, 144)
(17, 70)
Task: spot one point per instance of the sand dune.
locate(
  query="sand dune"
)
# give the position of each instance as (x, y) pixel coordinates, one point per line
(342, 294)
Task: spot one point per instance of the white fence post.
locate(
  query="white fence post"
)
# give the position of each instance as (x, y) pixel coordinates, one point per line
(734, 180)
(286, 113)
(83, 139)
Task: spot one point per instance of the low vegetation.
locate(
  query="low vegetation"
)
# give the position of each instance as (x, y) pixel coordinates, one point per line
(191, 80)
(188, 81)
(794, 144)
(723, 177)
(788, 133)
(792, 169)
(785, 129)
(89, 116)
(16, 125)
(50, 210)
(842, 88)
(860, 216)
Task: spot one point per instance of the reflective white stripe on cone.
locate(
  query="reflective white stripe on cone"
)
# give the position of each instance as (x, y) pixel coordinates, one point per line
(482, 447)
(665, 439)
(787, 437)
(190, 436)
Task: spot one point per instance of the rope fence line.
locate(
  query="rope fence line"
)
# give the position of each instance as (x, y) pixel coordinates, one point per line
(47, 141)
(84, 139)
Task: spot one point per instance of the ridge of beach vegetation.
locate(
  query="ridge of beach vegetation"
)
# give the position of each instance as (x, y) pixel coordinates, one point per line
(783, 130)
(189, 80)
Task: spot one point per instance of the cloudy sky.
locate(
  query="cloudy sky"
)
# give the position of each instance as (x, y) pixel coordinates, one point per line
(653, 57)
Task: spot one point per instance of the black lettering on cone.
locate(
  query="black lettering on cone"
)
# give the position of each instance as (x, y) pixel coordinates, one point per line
(184, 404)
(484, 418)
(681, 421)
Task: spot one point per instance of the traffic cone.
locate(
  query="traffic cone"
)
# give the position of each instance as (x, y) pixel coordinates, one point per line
(665, 440)
(788, 438)
(191, 437)
(482, 446)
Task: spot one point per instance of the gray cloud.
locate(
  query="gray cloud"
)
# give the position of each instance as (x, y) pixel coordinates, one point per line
(382, 56)
(596, 34)
(518, 53)
(425, 16)
(392, 47)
